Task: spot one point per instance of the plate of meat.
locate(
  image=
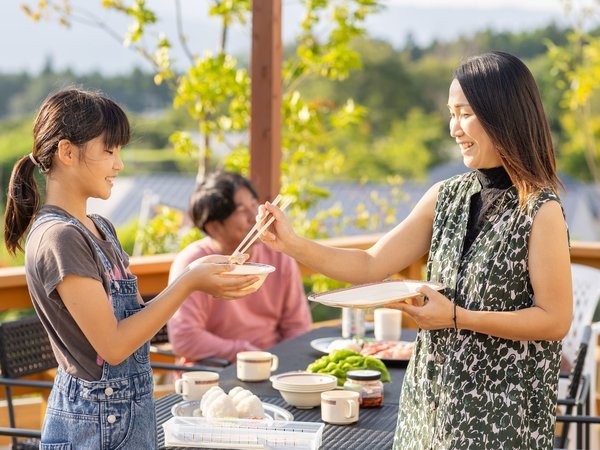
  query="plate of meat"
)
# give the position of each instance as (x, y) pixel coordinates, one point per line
(387, 351)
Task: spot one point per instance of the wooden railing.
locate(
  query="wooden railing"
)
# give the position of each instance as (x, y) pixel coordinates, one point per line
(153, 271)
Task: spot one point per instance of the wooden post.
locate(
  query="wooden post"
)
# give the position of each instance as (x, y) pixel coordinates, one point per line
(265, 102)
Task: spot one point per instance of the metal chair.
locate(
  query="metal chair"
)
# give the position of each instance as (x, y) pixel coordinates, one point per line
(24, 350)
(577, 396)
(586, 294)
(160, 346)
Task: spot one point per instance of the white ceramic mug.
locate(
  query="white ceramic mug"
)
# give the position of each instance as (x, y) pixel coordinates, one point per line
(388, 324)
(256, 366)
(339, 407)
(193, 385)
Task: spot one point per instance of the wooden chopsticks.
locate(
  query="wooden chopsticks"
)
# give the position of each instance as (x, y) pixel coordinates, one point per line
(250, 237)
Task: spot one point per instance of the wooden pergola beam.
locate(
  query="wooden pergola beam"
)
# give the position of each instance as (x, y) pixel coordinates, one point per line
(265, 100)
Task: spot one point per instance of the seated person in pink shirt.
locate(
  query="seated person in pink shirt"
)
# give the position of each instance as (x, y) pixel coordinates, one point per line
(224, 206)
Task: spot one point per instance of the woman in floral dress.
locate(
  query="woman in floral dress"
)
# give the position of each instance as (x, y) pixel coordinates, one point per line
(484, 371)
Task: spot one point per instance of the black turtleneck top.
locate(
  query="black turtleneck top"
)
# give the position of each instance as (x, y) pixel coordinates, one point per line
(494, 182)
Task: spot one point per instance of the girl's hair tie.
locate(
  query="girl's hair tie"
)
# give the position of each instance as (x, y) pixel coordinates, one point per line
(33, 160)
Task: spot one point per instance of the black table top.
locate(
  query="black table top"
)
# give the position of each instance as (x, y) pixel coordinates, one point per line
(375, 428)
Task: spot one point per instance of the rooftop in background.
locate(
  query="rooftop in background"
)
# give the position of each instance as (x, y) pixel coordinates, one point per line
(581, 201)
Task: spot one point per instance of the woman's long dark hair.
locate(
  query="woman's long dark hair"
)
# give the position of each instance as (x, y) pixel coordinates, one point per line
(73, 114)
(505, 98)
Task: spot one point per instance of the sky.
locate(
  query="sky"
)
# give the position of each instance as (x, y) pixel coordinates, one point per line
(27, 45)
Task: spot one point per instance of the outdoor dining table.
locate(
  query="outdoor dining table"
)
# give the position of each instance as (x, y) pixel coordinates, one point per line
(375, 427)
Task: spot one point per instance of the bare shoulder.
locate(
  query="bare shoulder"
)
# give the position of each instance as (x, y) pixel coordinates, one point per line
(549, 227)
(434, 190)
(549, 214)
(427, 203)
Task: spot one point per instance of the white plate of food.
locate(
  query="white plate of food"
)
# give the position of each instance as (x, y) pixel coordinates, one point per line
(387, 351)
(373, 294)
(191, 408)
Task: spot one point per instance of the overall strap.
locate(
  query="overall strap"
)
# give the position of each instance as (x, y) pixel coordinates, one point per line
(109, 234)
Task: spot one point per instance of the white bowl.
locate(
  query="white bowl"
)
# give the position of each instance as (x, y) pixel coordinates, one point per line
(250, 268)
(303, 389)
(302, 400)
(304, 381)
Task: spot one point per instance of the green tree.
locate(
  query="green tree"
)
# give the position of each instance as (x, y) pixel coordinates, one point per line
(405, 151)
(577, 68)
(214, 90)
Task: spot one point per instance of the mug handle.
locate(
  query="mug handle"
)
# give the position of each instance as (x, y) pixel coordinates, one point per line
(351, 409)
(274, 362)
(180, 386)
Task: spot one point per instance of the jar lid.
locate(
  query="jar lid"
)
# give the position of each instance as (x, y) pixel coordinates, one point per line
(363, 374)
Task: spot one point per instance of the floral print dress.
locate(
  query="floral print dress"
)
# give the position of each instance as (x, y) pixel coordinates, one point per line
(466, 390)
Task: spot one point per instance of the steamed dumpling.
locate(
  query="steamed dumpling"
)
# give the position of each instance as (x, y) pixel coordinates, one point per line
(241, 395)
(250, 407)
(208, 397)
(235, 390)
(212, 390)
(221, 406)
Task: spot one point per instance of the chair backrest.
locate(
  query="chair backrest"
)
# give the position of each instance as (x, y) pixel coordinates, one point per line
(586, 293)
(25, 348)
(576, 374)
(161, 337)
(575, 381)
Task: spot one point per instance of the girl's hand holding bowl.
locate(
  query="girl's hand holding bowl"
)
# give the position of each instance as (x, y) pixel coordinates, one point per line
(210, 278)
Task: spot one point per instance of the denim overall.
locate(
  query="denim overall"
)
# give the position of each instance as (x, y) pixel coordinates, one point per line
(117, 411)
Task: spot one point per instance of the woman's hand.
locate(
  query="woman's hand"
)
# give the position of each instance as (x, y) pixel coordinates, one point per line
(435, 314)
(280, 235)
(210, 278)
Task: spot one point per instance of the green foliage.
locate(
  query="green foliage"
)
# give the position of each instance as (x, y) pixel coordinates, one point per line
(21, 94)
(405, 151)
(577, 68)
(11, 315)
(127, 235)
(162, 233)
(6, 259)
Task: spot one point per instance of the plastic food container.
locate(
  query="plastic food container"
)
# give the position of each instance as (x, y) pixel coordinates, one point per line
(201, 432)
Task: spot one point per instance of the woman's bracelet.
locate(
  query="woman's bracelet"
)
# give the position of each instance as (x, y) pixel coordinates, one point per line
(454, 317)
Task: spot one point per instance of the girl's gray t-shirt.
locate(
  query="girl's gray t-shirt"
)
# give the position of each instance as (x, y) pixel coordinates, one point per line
(54, 250)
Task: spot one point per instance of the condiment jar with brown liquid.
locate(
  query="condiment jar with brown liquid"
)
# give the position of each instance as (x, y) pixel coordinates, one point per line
(368, 384)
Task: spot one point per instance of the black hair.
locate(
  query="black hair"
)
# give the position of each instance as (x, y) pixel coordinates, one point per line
(73, 114)
(505, 98)
(213, 198)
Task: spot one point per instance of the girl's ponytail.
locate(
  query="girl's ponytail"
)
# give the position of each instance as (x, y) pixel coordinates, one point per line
(22, 202)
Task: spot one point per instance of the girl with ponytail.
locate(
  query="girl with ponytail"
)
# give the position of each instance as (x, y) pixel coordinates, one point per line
(79, 282)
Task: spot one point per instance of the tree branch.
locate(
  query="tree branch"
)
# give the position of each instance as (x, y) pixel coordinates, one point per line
(180, 33)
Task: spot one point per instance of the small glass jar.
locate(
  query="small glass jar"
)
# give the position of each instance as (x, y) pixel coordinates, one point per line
(368, 384)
